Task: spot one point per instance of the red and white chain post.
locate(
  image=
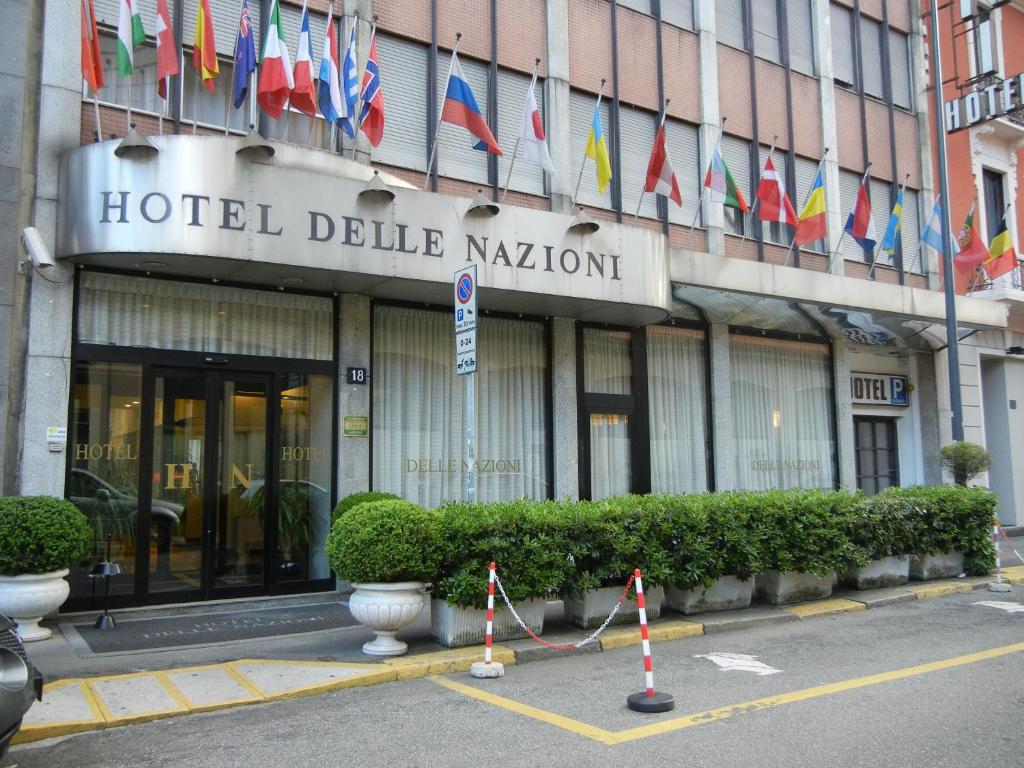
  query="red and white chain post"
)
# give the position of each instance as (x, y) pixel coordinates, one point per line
(648, 700)
(488, 668)
(998, 585)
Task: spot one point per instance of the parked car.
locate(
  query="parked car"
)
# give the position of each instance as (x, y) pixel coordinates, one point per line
(20, 683)
(111, 510)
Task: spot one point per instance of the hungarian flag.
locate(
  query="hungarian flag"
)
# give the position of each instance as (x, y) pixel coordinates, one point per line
(276, 81)
(460, 109)
(775, 205)
(92, 70)
(813, 222)
(166, 50)
(371, 118)
(1002, 257)
(972, 248)
(860, 224)
(130, 34)
(721, 185)
(304, 94)
(660, 176)
(531, 133)
(204, 46)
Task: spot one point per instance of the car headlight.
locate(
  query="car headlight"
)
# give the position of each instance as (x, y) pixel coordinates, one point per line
(14, 672)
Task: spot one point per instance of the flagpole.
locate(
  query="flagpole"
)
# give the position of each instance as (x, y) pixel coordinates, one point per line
(358, 107)
(583, 165)
(129, 101)
(753, 208)
(163, 107)
(433, 147)
(355, 107)
(831, 259)
(519, 136)
(96, 109)
(899, 197)
(816, 172)
(700, 198)
(195, 100)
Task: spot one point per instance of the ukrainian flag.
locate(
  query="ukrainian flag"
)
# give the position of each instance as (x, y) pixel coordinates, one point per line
(597, 148)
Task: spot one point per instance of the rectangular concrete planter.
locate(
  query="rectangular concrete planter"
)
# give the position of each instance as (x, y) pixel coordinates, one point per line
(593, 609)
(925, 567)
(778, 587)
(453, 626)
(726, 594)
(887, 572)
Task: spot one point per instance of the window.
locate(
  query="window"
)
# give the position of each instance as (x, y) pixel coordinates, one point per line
(806, 171)
(800, 29)
(993, 185)
(729, 21)
(899, 67)
(881, 209)
(684, 150)
(678, 409)
(986, 55)
(871, 57)
(581, 109)
(782, 413)
(404, 78)
(418, 411)
(910, 232)
(736, 154)
(766, 29)
(512, 87)
(637, 129)
(875, 448)
(643, 6)
(455, 156)
(143, 81)
(841, 22)
(608, 410)
(678, 13)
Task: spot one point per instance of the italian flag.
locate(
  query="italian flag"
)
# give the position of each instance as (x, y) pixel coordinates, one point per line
(276, 81)
(129, 35)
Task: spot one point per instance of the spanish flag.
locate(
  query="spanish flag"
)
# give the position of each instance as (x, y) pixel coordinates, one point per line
(204, 47)
(1002, 258)
(597, 148)
(813, 221)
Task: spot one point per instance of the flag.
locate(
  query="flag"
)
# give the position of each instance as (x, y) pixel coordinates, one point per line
(460, 109)
(931, 236)
(204, 46)
(1002, 258)
(972, 248)
(661, 178)
(531, 133)
(129, 35)
(597, 149)
(276, 83)
(813, 221)
(245, 56)
(860, 224)
(303, 94)
(371, 118)
(892, 229)
(92, 70)
(349, 86)
(166, 50)
(720, 182)
(330, 93)
(775, 204)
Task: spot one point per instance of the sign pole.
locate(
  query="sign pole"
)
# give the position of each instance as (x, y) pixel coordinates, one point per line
(464, 285)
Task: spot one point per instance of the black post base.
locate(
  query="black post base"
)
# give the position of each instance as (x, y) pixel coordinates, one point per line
(659, 702)
(105, 621)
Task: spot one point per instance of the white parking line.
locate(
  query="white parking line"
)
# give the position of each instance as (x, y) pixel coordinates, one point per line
(739, 662)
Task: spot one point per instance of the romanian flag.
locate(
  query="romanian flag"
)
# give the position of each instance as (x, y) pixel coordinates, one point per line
(972, 249)
(813, 222)
(204, 46)
(720, 182)
(597, 149)
(1002, 258)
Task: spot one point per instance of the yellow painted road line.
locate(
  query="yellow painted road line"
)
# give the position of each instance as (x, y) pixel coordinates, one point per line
(721, 713)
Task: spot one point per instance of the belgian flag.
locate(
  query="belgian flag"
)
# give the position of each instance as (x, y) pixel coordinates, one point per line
(1002, 258)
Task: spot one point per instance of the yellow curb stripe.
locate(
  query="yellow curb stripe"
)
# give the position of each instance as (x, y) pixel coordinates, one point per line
(174, 691)
(286, 663)
(244, 681)
(938, 589)
(831, 607)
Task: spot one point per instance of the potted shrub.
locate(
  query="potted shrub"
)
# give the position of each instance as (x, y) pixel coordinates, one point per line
(715, 554)
(525, 540)
(883, 529)
(389, 550)
(964, 461)
(607, 541)
(355, 499)
(802, 535)
(41, 537)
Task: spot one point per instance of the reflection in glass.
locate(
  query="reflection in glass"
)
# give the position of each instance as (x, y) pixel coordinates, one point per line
(607, 365)
(104, 475)
(609, 455)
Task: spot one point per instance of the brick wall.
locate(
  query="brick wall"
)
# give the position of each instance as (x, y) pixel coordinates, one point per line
(879, 146)
(638, 71)
(681, 237)
(734, 91)
(807, 116)
(590, 44)
(522, 35)
(908, 155)
(472, 19)
(851, 147)
(681, 61)
(772, 115)
(408, 18)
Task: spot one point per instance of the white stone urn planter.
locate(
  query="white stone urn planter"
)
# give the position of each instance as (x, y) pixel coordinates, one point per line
(387, 608)
(887, 572)
(593, 609)
(29, 597)
(779, 587)
(944, 566)
(726, 594)
(454, 626)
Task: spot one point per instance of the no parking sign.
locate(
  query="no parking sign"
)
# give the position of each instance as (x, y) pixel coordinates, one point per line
(464, 287)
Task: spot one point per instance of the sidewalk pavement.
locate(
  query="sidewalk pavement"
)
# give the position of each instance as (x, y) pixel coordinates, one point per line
(87, 691)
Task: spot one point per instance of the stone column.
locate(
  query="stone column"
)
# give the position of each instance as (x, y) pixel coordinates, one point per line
(354, 399)
(564, 408)
(707, 37)
(829, 131)
(927, 396)
(556, 106)
(844, 417)
(723, 434)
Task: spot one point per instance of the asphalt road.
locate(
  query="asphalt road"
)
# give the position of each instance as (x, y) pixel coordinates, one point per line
(932, 683)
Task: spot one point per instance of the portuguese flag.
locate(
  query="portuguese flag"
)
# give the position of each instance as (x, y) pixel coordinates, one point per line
(130, 35)
(276, 81)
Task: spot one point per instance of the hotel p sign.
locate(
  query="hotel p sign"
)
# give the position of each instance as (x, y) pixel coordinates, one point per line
(879, 389)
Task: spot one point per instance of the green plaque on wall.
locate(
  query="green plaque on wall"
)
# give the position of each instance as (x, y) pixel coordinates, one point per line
(356, 426)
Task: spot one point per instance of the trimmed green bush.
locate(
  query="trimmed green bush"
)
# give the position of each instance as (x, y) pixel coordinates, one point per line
(40, 534)
(386, 541)
(355, 499)
(524, 538)
(964, 461)
(885, 526)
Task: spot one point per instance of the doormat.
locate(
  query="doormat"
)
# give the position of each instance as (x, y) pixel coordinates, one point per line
(208, 628)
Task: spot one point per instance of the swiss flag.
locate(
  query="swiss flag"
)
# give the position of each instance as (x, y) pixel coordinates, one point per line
(660, 176)
(775, 204)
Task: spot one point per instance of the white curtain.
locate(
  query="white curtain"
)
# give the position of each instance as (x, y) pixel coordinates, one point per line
(163, 314)
(419, 445)
(782, 413)
(607, 367)
(609, 455)
(677, 395)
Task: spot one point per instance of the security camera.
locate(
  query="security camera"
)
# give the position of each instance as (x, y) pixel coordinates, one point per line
(36, 249)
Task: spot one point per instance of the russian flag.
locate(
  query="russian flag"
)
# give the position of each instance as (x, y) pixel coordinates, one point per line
(330, 92)
(860, 224)
(460, 109)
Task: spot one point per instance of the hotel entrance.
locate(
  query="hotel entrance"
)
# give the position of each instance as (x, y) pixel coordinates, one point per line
(207, 474)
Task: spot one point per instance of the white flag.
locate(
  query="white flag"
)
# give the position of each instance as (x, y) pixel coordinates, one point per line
(531, 134)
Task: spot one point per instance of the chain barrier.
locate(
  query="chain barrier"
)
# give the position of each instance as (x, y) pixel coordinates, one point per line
(1009, 543)
(552, 646)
